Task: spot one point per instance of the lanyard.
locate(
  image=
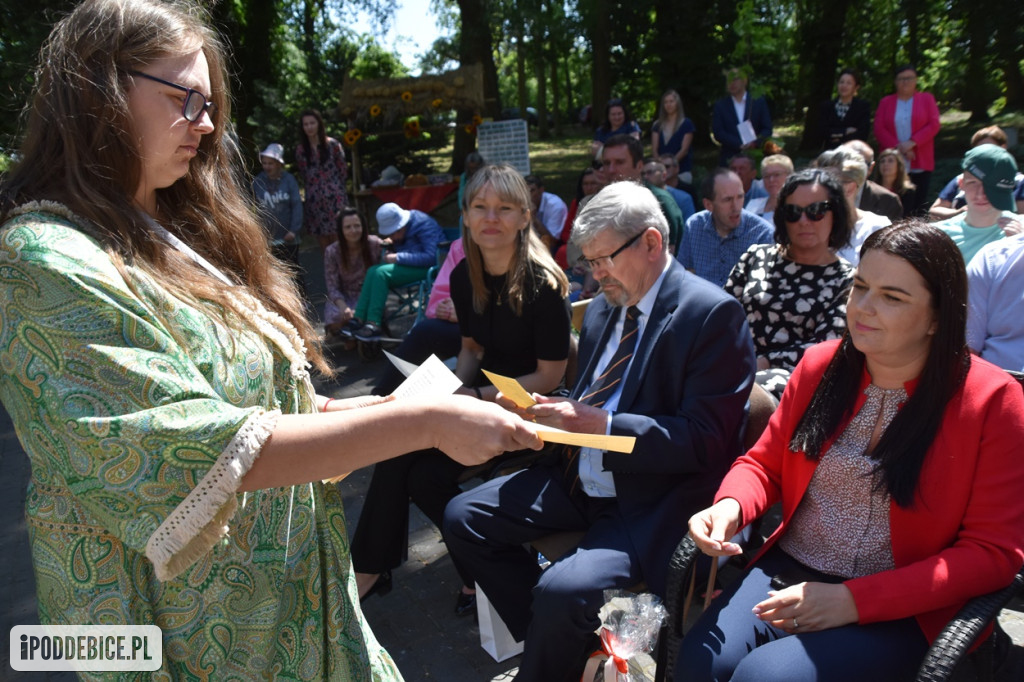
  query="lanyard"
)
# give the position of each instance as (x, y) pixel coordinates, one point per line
(186, 249)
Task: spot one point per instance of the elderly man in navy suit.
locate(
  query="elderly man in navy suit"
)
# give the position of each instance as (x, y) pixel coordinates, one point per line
(666, 357)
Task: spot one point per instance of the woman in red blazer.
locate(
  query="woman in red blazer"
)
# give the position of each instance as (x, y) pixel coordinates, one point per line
(896, 455)
(915, 138)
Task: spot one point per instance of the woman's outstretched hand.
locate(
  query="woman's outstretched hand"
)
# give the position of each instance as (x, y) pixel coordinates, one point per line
(712, 528)
(472, 431)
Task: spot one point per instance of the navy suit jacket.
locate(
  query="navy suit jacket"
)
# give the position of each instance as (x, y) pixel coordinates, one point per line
(723, 124)
(684, 399)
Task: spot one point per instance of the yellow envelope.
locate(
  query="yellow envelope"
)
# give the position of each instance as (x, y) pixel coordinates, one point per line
(511, 389)
(550, 434)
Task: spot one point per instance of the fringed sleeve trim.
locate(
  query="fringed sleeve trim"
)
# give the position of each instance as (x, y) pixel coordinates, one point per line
(201, 520)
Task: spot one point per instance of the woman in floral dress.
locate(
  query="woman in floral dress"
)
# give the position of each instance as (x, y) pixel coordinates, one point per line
(156, 370)
(321, 162)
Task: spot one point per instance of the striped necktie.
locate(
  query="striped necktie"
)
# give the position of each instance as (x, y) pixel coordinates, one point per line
(605, 385)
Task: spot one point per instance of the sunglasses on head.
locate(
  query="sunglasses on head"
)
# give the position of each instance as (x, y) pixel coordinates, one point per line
(814, 212)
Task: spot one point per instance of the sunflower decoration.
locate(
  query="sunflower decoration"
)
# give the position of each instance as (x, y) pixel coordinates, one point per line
(375, 111)
(436, 103)
(470, 129)
(352, 137)
(477, 120)
(406, 96)
(412, 127)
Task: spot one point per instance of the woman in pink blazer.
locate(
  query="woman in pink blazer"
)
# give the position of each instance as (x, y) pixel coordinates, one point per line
(896, 456)
(909, 121)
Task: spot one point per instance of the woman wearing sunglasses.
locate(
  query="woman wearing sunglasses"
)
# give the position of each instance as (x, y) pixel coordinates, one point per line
(794, 291)
(895, 455)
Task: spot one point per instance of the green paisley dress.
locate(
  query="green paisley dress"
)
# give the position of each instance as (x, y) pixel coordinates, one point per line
(140, 415)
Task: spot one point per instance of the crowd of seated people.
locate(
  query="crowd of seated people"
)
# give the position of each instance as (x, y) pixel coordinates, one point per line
(774, 268)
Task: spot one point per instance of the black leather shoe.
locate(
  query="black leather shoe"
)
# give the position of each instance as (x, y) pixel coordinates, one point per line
(381, 587)
(465, 604)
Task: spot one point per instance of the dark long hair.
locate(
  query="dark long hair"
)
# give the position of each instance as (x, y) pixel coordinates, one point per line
(901, 450)
(321, 133)
(364, 237)
(842, 221)
(616, 102)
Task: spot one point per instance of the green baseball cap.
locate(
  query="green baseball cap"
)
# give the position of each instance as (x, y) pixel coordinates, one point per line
(997, 170)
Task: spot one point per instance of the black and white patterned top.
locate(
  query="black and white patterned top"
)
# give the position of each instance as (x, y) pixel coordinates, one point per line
(790, 306)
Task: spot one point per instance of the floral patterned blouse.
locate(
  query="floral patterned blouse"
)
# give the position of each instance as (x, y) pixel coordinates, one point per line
(343, 281)
(325, 186)
(140, 415)
(790, 306)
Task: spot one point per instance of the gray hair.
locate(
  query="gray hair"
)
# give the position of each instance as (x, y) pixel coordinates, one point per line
(625, 207)
(848, 165)
(862, 148)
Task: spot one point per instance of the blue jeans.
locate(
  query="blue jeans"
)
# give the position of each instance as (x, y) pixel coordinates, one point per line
(728, 642)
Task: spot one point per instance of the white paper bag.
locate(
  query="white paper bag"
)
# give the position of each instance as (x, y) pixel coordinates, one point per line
(494, 636)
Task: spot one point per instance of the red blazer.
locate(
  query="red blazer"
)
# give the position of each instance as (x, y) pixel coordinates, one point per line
(964, 535)
(924, 124)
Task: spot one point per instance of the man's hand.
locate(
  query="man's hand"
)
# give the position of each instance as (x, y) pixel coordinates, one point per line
(567, 414)
(390, 257)
(808, 607)
(289, 237)
(1011, 226)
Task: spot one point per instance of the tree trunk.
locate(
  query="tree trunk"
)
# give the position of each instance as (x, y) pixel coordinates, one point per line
(699, 80)
(521, 73)
(475, 48)
(975, 99)
(600, 41)
(542, 94)
(821, 37)
(556, 95)
(1007, 46)
(569, 101)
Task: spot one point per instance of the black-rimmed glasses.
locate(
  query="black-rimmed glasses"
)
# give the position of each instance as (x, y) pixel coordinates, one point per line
(608, 261)
(814, 212)
(195, 102)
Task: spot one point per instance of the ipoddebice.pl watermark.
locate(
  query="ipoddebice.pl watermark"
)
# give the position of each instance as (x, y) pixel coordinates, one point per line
(99, 648)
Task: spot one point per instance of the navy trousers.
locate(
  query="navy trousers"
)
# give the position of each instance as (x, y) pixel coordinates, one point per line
(728, 642)
(555, 611)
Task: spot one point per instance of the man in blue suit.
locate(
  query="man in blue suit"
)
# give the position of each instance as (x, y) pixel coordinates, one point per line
(665, 357)
(736, 107)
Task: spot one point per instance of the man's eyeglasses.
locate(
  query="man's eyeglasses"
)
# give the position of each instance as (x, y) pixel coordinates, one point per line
(195, 102)
(814, 212)
(608, 261)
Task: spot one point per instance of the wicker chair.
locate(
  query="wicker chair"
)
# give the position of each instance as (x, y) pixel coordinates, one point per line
(950, 650)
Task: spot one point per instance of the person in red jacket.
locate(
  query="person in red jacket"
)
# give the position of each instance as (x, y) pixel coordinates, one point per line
(896, 456)
(909, 121)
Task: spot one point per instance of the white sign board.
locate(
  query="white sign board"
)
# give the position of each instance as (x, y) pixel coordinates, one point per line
(505, 142)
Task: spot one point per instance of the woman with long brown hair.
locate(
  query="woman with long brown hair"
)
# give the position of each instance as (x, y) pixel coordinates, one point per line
(891, 173)
(157, 370)
(345, 264)
(322, 165)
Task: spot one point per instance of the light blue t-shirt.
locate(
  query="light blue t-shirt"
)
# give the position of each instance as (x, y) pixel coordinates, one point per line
(995, 303)
(970, 239)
